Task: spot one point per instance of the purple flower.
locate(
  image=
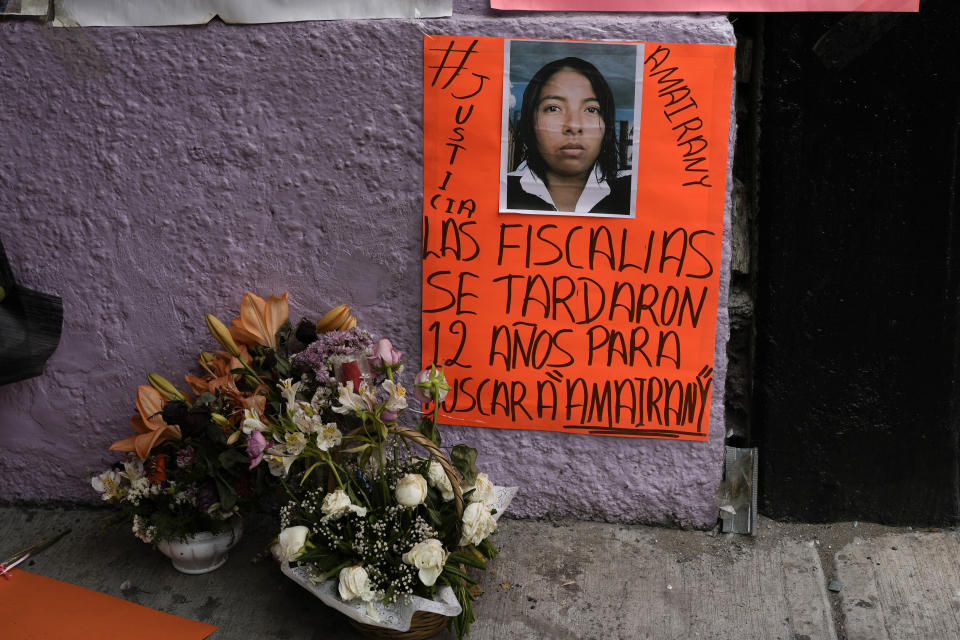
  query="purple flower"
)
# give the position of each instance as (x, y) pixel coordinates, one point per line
(256, 443)
(316, 356)
(185, 457)
(206, 495)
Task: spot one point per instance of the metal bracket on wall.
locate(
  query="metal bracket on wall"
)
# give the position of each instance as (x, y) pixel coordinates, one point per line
(738, 499)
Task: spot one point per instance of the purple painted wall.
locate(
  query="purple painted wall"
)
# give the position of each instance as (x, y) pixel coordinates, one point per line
(151, 175)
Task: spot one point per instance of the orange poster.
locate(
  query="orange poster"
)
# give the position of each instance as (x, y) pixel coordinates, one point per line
(572, 229)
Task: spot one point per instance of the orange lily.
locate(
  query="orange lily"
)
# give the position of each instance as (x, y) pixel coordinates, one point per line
(260, 319)
(219, 371)
(256, 399)
(149, 425)
(221, 379)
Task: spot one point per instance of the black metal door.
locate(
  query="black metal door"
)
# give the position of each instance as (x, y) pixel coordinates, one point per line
(858, 168)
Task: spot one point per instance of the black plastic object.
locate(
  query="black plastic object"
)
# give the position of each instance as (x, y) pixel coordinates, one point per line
(30, 325)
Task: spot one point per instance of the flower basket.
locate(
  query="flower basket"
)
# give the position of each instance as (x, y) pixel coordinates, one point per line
(417, 619)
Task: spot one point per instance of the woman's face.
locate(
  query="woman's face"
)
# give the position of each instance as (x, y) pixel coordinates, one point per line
(568, 124)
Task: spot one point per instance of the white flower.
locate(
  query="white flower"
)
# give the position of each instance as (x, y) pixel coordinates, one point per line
(140, 486)
(329, 436)
(483, 491)
(288, 389)
(303, 417)
(397, 399)
(185, 497)
(477, 524)
(215, 510)
(290, 543)
(295, 443)
(133, 469)
(355, 583)
(278, 463)
(411, 490)
(438, 479)
(142, 531)
(337, 503)
(251, 422)
(320, 399)
(107, 484)
(368, 396)
(350, 402)
(429, 557)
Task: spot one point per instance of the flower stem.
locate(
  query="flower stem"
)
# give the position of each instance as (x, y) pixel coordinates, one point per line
(333, 467)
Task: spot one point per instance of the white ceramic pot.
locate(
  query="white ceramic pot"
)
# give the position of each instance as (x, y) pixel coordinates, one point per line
(202, 552)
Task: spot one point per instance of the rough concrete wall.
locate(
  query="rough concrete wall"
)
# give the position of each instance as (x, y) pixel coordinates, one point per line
(151, 175)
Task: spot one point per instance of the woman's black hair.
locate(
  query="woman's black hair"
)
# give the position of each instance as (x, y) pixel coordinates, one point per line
(525, 139)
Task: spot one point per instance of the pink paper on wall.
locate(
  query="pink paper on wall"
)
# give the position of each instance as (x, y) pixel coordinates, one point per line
(679, 6)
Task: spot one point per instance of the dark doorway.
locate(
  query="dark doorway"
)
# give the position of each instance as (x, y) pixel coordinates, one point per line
(857, 166)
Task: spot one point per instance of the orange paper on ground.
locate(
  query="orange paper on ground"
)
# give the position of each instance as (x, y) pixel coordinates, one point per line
(35, 607)
(566, 323)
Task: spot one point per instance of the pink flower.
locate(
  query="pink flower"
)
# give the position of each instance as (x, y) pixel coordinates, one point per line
(420, 389)
(256, 443)
(384, 355)
(430, 384)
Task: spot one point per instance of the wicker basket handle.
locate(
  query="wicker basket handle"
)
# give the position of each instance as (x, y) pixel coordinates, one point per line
(427, 443)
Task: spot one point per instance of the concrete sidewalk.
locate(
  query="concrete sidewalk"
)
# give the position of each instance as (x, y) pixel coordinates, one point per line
(564, 579)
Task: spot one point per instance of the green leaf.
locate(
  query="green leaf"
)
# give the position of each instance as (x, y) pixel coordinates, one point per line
(460, 574)
(283, 367)
(357, 449)
(228, 498)
(434, 518)
(427, 427)
(204, 399)
(365, 457)
(215, 433)
(464, 459)
(458, 557)
(233, 457)
(486, 548)
(309, 471)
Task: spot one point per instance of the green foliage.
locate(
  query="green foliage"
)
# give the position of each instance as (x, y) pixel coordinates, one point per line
(464, 459)
(232, 459)
(427, 427)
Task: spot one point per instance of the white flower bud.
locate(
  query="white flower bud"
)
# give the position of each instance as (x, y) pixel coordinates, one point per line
(477, 524)
(290, 543)
(355, 583)
(439, 480)
(411, 490)
(429, 557)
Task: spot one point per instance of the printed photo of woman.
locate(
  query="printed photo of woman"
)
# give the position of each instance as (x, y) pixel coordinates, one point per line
(565, 153)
